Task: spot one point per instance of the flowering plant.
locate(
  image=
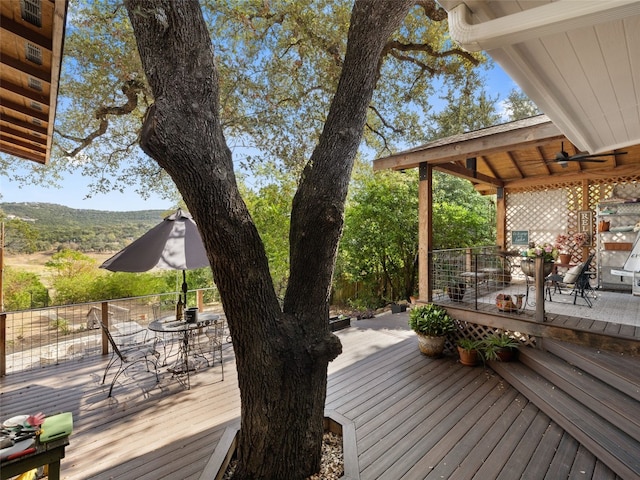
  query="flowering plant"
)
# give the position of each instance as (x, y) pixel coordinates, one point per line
(547, 251)
(563, 241)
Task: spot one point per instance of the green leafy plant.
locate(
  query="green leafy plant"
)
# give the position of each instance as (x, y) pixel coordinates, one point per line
(431, 320)
(494, 345)
(469, 344)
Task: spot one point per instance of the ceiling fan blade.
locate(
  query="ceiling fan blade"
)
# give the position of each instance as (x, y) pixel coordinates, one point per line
(580, 156)
(578, 160)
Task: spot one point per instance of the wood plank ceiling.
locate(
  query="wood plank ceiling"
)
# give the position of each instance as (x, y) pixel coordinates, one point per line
(31, 42)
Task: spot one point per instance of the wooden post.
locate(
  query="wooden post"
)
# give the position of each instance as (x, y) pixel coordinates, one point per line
(501, 219)
(105, 321)
(425, 235)
(1, 266)
(200, 300)
(539, 268)
(3, 344)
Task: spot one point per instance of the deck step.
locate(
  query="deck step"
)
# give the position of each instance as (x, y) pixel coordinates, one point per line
(615, 406)
(622, 372)
(593, 417)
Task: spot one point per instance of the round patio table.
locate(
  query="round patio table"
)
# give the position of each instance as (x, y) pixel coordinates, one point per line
(169, 324)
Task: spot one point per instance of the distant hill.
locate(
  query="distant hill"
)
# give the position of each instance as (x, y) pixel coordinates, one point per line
(85, 230)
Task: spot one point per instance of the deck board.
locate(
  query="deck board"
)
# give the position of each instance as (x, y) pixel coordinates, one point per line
(412, 416)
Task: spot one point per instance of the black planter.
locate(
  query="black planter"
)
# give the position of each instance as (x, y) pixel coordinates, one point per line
(337, 323)
(398, 308)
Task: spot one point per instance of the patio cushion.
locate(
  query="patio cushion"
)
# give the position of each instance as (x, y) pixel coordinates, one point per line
(573, 273)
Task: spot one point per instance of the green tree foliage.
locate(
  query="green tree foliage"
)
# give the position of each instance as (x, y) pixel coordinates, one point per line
(468, 107)
(23, 290)
(45, 226)
(113, 285)
(73, 273)
(379, 246)
(279, 66)
(461, 216)
(270, 207)
(19, 235)
(519, 106)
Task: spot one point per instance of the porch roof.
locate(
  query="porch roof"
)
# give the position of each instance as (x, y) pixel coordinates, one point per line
(32, 35)
(578, 61)
(513, 155)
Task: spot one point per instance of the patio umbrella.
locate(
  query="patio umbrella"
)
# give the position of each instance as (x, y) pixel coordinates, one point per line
(173, 244)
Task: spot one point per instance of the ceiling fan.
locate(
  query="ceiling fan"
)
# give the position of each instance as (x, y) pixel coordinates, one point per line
(563, 158)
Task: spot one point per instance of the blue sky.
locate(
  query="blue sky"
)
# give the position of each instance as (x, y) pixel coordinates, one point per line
(75, 187)
(73, 194)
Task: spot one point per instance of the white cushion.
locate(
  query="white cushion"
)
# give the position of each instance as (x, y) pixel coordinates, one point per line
(573, 273)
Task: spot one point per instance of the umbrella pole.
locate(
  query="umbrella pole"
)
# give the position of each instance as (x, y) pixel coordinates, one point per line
(184, 287)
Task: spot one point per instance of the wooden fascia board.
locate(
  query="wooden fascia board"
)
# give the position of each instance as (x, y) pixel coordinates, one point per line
(467, 174)
(475, 147)
(58, 34)
(560, 178)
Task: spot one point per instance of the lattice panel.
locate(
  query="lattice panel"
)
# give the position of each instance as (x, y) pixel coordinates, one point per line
(545, 214)
(474, 331)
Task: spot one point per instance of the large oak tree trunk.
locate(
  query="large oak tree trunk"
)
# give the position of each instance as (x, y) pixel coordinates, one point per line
(282, 352)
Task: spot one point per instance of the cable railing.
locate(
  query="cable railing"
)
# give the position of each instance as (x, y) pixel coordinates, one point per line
(477, 275)
(36, 338)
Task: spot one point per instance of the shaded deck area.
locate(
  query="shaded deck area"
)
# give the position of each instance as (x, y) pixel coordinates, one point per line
(415, 417)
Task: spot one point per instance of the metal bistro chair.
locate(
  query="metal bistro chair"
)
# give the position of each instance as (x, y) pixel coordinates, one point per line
(216, 335)
(129, 356)
(578, 279)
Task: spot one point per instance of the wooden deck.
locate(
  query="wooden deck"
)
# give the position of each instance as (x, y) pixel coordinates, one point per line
(415, 417)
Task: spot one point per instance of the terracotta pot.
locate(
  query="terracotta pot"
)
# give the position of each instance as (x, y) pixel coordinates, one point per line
(469, 358)
(564, 258)
(507, 354)
(431, 346)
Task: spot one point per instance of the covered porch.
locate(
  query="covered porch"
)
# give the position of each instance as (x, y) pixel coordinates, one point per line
(537, 196)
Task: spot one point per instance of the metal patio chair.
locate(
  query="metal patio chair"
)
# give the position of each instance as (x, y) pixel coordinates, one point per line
(128, 356)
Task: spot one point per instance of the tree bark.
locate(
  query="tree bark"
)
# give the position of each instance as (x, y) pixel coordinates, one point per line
(282, 353)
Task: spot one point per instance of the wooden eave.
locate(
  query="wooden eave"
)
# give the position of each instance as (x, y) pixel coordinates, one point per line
(30, 59)
(513, 155)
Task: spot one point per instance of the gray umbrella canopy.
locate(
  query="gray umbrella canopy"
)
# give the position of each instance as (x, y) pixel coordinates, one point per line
(173, 244)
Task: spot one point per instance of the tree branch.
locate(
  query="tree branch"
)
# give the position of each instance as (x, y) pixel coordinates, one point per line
(131, 88)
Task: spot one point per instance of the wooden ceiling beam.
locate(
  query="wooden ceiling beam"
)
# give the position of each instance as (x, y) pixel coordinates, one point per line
(23, 154)
(25, 68)
(515, 164)
(25, 125)
(486, 161)
(23, 32)
(543, 160)
(25, 111)
(25, 92)
(468, 174)
(6, 140)
(19, 134)
(459, 151)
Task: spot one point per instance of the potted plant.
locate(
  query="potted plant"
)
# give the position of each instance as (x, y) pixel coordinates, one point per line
(469, 351)
(455, 290)
(431, 323)
(500, 347)
(547, 251)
